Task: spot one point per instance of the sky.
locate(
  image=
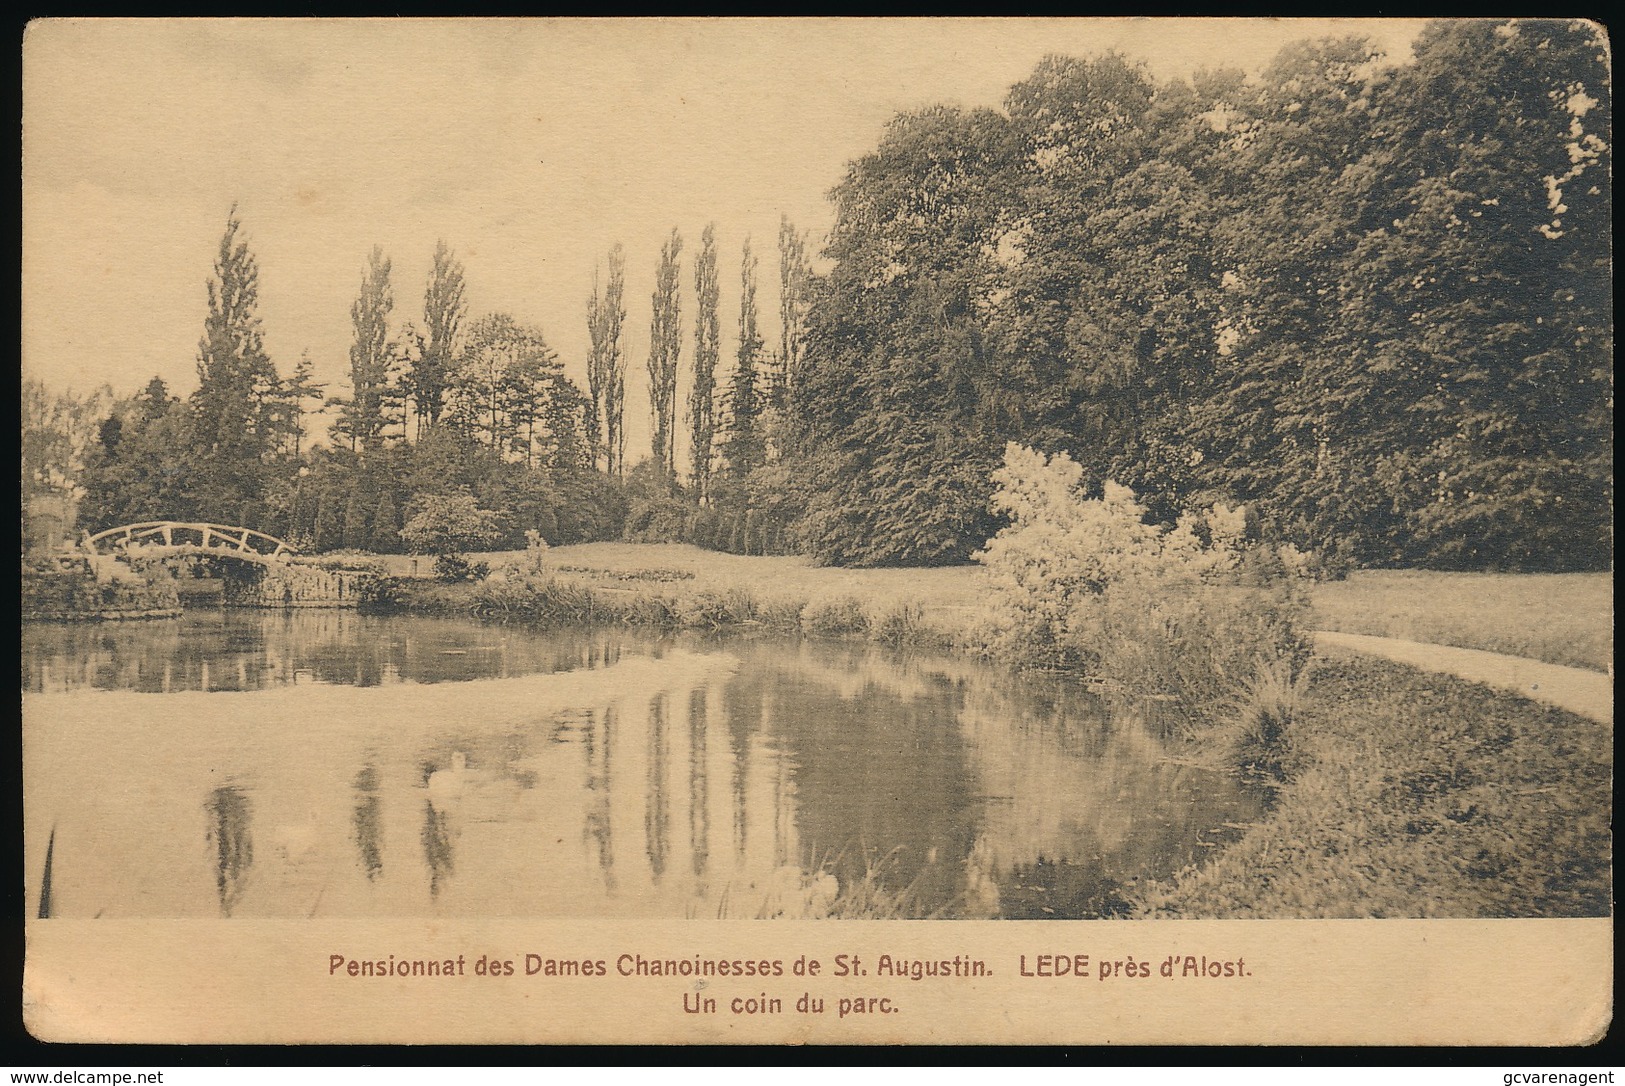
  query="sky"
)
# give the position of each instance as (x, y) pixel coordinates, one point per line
(530, 146)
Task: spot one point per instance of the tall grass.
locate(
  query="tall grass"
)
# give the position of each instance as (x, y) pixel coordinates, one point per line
(1266, 713)
(1197, 643)
(900, 624)
(782, 615)
(548, 600)
(870, 894)
(537, 598)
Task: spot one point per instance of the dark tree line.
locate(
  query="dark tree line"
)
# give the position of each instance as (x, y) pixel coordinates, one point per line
(737, 494)
(1371, 302)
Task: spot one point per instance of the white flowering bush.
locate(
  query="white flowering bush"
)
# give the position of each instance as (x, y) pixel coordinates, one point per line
(1087, 583)
(1184, 549)
(1061, 551)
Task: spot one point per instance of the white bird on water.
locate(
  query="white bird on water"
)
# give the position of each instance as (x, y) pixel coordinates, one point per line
(446, 785)
(295, 841)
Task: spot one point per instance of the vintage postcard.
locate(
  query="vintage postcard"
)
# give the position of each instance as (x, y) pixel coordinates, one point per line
(817, 531)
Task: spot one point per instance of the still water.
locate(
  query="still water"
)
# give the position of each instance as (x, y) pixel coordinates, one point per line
(330, 764)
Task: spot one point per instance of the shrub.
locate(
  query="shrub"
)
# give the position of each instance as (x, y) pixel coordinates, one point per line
(1057, 551)
(75, 588)
(379, 592)
(901, 624)
(838, 616)
(656, 520)
(454, 567)
(449, 523)
(1184, 612)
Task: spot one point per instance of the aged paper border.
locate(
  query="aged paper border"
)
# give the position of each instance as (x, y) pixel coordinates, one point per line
(1376, 982)
(1439, 982)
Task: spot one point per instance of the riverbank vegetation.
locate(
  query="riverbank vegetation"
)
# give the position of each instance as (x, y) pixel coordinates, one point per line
(1190, 614)
(70, 588)
(1562, 619)
(1414, 795)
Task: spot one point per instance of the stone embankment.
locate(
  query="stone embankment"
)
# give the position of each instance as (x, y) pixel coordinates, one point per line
(299, 584)
(80, 588)
(95, 588)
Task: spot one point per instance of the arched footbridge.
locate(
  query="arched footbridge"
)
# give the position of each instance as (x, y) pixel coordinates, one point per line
(161, 538)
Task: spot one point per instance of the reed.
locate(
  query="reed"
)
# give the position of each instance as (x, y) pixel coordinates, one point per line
(1266, 711)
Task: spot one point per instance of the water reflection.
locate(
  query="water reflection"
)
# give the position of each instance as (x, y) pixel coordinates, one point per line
(436, 847)
(227, 650)
(230, 842)
(657, 796)
(699, 818)
(739, 768)
(596, 826)
(368, 828)
(444, 784)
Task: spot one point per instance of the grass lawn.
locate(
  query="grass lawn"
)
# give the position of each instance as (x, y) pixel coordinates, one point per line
(1560, 618)
(1557, 618)
(945, 594)
(774, 577)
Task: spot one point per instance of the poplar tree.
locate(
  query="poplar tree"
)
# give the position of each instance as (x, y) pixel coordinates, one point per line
(363, 418)
(707, 348)
(301, 387)
(665, 345)
(443, 312)
(744, 446)
(236, 405)
(795, 280)
(606, 364)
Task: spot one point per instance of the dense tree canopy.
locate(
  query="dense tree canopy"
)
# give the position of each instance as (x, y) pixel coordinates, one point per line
(1369, 300)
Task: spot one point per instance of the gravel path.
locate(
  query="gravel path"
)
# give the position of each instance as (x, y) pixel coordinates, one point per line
(1587, 693)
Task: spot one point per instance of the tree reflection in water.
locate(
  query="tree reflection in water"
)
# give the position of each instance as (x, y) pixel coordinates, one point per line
(657, 797)
(230, 842)
(368, 830)
(598, 827)
(699, 808)
(750, 764)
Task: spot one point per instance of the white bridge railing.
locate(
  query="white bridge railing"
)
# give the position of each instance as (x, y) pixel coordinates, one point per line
(188, 537)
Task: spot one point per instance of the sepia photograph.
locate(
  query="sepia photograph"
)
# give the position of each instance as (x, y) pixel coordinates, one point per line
(604, 481)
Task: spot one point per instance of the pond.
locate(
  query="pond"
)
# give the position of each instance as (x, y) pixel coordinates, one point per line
(330, 764)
